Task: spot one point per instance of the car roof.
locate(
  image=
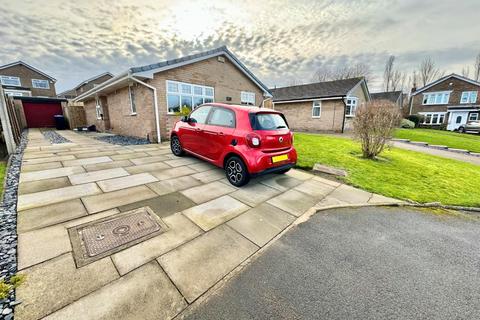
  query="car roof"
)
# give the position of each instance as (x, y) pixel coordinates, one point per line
(249, 109)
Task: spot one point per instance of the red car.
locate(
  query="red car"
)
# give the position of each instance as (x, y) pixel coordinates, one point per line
(245, 141)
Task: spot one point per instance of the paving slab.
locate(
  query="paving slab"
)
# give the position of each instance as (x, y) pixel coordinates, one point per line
(83, 155)
(315, 188)
(43, 185)
(202, 166)
(293, 202)
(172, 185)
(57, 283)
(145, 293)
(108, 165)
(202, 262)
(327, 181)
(163, 206)
(173, 173)
(49, 215)
(299, 174)
(97, 175)
(40, 245)
(210, 175)
(262, 223)
(50, 173)
(40, 166)
(215, 212)
(377, 198)
(43, 198)
(129, 155)
(160, 152)
(145, 160)
(280, 182)
(180, 231)
(207, 191)
(118, 198)
(181, 162)
(126, 182)
(149, 167)
(48, 159)
(36, 155)
(254, 193)
(351, 195)
(82, 162)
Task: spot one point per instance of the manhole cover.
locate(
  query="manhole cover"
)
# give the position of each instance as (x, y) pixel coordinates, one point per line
(97, 239)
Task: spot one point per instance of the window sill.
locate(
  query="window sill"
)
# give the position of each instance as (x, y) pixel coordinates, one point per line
(133, 114)
(349, 116)
(316, 117)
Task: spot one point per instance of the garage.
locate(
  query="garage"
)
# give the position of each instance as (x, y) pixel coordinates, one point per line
(40, 112)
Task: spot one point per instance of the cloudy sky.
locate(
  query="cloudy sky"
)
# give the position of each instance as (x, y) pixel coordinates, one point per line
(280, 41)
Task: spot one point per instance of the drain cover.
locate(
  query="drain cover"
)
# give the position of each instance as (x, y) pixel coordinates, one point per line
(101, 238)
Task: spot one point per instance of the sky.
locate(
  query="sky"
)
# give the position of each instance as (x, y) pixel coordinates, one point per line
(281, 41)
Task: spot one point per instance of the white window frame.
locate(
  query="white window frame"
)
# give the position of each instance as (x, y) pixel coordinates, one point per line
(247, 98)
(430, 98)
(431, 114)
(133, 102)
(471, 114)
(17, 93)
(469, 95)
(353, 106)
(36, 81)
(317, 104)
(191, 95)
(98, 109)
(2, 79)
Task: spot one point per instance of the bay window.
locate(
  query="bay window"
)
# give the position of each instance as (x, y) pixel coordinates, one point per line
(185, 95)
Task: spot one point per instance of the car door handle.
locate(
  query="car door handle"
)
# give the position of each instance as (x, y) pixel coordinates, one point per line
(211, 132)
(220, 133)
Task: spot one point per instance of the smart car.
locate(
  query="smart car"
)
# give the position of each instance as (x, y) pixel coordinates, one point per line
(245, 141)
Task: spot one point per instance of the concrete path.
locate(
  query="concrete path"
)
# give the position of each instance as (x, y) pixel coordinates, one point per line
(438, 152)
(213, 227)
(368, 263)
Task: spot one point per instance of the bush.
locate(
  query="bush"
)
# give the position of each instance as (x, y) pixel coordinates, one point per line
(374, 125)
(416, 119)
(6, 287)
(407, 124)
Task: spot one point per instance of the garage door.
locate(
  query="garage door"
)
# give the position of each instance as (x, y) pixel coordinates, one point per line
(40, 114)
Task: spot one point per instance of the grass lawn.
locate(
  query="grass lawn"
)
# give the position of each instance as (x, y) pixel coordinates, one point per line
(447, 138)
(400, 173)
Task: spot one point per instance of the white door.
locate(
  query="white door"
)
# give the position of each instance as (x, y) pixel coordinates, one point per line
(456, 119)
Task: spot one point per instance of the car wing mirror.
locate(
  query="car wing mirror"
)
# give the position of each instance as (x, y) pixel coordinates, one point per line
(184, 119)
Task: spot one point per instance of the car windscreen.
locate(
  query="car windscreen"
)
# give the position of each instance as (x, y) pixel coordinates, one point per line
(268, 121)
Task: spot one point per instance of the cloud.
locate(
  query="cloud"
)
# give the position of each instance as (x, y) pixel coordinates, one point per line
(278, 40)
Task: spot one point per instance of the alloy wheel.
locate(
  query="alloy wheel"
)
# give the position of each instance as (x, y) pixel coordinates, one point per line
(234, 171)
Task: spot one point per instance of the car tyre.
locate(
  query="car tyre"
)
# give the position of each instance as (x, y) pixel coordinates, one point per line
(176, 146)
(461, 130)
(236, 171)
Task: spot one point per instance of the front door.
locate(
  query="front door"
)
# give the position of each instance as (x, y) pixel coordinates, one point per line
(457, 119)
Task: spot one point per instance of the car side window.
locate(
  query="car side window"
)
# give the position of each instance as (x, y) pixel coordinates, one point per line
(200, 114)
(222, 117)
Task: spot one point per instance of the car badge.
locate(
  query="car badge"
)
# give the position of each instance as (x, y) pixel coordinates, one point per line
(280, 139)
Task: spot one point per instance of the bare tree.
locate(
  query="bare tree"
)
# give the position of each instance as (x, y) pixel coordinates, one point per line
(466, 71)
(429, 71)
(388, 73)
(374, 125)
(325, 73)
(476, 69)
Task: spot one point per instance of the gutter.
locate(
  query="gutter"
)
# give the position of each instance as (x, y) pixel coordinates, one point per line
(106, 84)
(155, 103)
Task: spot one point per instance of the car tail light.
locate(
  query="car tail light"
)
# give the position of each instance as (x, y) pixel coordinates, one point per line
(253, 140)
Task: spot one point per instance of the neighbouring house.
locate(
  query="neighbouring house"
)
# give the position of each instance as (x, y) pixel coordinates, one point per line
(448, 103)
(21, 79)
(395, 97)
(146, 101)
(86, 85)
(323, 106)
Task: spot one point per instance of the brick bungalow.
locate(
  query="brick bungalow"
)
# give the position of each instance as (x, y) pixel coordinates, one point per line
(448, 103)
(323, 106)
(146, 101)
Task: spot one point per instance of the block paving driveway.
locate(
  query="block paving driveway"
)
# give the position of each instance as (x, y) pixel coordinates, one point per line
(213, 226)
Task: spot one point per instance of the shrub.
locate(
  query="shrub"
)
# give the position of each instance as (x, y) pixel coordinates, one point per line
(407, 124)
(184, 111)
(415, 118)
(374, 125)
(6, 287)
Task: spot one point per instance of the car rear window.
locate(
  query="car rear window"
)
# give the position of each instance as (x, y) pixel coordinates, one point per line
(268, 121)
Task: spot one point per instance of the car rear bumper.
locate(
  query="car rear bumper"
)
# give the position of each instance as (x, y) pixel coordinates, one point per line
(274, 169)
(260, 162)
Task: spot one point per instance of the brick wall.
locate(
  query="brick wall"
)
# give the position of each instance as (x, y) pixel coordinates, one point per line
(26, 75)
(299, 116)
